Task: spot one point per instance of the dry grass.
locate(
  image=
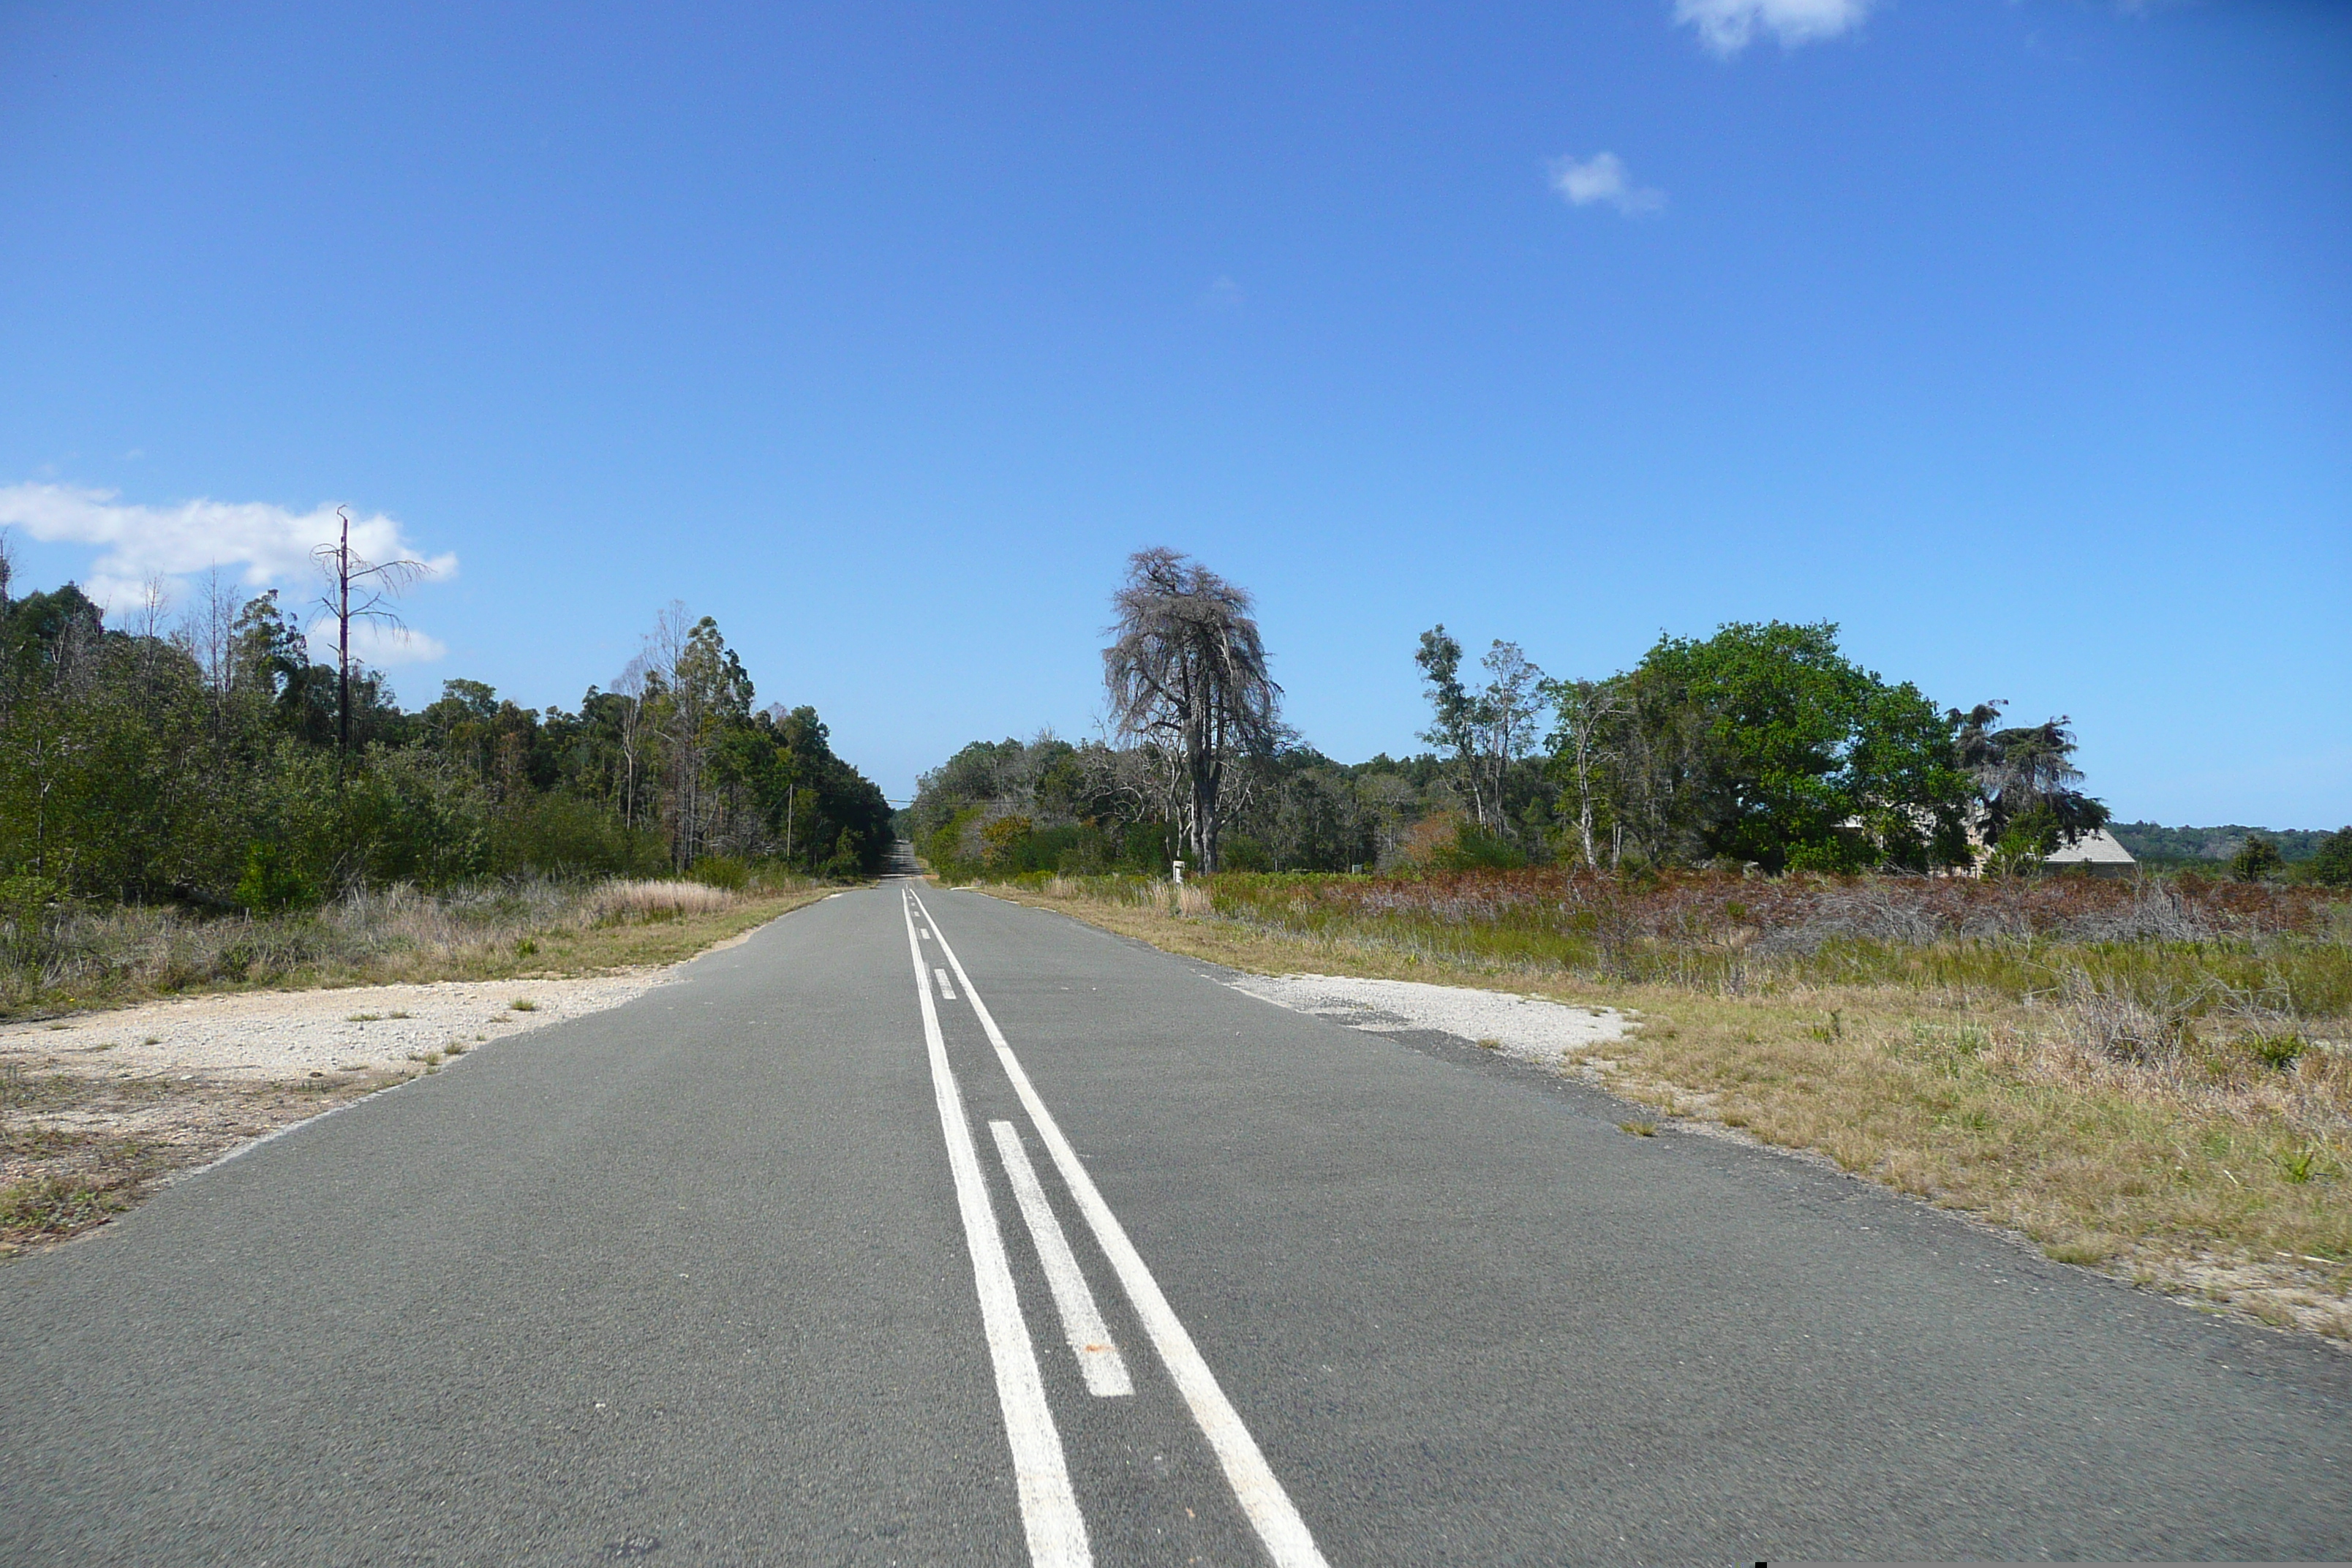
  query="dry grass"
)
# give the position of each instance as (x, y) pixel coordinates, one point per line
(97, 958)
(75, 1150)
(2179, 1117)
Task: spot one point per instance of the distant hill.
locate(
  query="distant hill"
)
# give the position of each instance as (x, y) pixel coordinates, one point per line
(2153, 841)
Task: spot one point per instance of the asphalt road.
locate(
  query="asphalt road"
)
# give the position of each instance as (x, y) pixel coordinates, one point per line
(734, 1274)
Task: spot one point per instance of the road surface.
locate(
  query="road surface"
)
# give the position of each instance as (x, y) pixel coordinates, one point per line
(925, 1228)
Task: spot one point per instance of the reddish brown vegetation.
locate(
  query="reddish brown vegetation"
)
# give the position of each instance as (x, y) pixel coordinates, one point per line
(1799, 914)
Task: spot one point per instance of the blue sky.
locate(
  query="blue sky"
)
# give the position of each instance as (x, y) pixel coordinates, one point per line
(2013, 335)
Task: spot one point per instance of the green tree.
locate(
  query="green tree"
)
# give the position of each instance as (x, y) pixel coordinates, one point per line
(1762, 743)
(2023, 770)
(2331, 866)
(2257, 860)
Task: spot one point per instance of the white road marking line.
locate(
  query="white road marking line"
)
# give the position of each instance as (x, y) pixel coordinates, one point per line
(1284, 1534)
(1082, 1324)
(947, 992)
(1049, 1510)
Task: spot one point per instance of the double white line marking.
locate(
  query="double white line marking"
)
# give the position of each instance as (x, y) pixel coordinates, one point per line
(1049, 1510)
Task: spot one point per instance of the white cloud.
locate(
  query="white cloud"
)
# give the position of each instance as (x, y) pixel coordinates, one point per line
(271, 544)
(1727, 25)
(1603, 178)
(373, 642)
(1221, 297)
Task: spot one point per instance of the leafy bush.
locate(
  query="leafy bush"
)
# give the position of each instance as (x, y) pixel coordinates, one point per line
(721, 871)
(2332, 866)
(274, 880)
(2257, 860)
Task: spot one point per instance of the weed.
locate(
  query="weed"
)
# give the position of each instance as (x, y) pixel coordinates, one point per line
(2299, 1165)
(2087, 1252)
(58, 1205)
(2278, 1048)
(523, 1005)
(1639, 1129)
(457, 1048)
(1490, 1043)
(525, 947)
(365, 1018)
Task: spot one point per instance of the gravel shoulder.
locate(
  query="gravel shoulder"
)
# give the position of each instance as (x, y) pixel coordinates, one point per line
(264, 1036)
(1533, 1029)
(98, 1108)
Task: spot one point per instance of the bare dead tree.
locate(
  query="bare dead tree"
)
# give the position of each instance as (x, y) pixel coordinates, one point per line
(207, 634)
(631, 690)
(145, 621)
(1187, 672)
(362, 590)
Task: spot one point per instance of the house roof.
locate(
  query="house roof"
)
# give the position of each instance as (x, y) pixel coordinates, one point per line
(2096, 847)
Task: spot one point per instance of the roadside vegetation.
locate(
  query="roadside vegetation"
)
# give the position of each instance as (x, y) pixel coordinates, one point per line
(198, 802)
(2154, 1079)
(80, 1143)
(1833, 904)
(111, 955)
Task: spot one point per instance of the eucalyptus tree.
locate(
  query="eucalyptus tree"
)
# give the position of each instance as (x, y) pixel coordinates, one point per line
(1458, 719)
(1186, 674)
(1585, 745)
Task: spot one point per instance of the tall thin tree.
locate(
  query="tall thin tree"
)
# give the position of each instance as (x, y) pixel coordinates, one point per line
(357, 590)
(1186, 672)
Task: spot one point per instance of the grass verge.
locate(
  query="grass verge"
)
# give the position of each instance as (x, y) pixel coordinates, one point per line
(115, 957)
(2215, 1166)
(77, 1148)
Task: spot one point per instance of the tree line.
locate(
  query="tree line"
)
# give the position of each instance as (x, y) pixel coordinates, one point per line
(1761, 745)
(215, 763)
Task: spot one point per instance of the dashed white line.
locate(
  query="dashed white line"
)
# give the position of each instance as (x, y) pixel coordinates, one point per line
(947, 992)
(1098, 1359)
(1057, 1530)
(1271, 1513)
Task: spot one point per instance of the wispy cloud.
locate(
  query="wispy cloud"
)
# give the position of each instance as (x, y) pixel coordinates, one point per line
(1727, 27)
(374, 642)
(1221, 298)
(264, 545)
(1603, 178)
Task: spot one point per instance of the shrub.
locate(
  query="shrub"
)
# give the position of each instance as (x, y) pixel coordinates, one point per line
(2331, 866)
(721, 871)
(273, 880)
(2257, 860)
